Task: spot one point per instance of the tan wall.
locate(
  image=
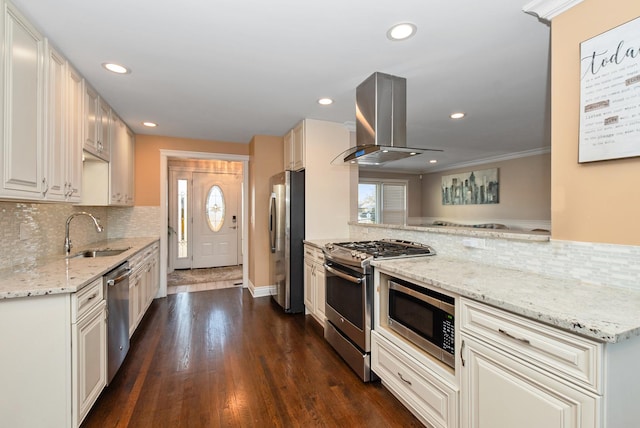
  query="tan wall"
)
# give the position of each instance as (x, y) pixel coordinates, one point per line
(147, 161)
(593, 202)
(267, 159)
(414, 188)
(525, 192)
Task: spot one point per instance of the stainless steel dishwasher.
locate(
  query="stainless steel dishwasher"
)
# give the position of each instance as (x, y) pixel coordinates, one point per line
(117, 288)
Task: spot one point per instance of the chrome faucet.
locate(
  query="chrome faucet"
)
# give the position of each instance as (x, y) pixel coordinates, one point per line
(67, 241)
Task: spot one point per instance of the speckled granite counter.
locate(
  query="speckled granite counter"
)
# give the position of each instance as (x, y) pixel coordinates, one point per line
(57, 275)
(608, 314)
(320, 243)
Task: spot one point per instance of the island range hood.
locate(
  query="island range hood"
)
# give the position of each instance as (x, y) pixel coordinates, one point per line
(381, 122)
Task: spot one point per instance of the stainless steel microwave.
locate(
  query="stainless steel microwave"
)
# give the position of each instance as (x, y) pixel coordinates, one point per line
(424, 317)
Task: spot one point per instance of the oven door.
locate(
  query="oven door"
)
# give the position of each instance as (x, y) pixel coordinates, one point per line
(348, 302)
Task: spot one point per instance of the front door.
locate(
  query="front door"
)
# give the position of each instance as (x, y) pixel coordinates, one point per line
(215, 219)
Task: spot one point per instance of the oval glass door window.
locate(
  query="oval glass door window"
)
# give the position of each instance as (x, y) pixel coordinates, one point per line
(215, 208)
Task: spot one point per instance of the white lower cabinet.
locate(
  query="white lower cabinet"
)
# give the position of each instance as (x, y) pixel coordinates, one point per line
(516, 372)
(502, 391)
(314, 282)
(144, 283)
(430, 398)
(90, 361)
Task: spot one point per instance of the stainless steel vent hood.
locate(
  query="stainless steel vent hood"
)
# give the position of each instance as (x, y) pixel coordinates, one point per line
(381, 122)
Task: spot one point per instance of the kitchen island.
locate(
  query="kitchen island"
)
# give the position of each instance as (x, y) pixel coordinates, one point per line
(540, 348)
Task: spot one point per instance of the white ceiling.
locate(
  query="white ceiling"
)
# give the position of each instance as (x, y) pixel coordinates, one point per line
(230, 69)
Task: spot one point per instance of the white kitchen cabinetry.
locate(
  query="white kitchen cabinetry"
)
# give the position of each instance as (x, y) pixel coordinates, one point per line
(121, 164)
(75, 133)
(89, 345)
(97, 123)
(314, 282)
(23, 146)
(143, 283)
(516, 372)
(54, 357)
(430, 398)
(294, 148)
(427, 387)
(63, 128)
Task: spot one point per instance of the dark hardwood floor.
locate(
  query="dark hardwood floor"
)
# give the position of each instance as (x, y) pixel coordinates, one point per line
(222, 358)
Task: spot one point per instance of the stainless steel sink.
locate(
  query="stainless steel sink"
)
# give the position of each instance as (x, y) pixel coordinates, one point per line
(98, 253)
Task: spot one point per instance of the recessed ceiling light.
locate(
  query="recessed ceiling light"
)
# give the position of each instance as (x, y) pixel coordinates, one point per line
(150, 124)
(433, 161)
(401, 31)
(458, 115)
(413, 153)
(116, 68)
(325, 101)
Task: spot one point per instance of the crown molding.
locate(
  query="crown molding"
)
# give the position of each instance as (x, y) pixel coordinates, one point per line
(546, 10)
(492, 159)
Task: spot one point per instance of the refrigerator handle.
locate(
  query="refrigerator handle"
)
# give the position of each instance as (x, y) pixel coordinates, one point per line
(272, 222)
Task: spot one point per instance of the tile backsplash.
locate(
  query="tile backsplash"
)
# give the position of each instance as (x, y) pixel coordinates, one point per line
(33, 231)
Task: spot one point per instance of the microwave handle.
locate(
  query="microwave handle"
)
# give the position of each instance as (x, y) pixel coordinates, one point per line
(343, 275)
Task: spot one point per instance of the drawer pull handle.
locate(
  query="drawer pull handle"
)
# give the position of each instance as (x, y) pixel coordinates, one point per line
(519, 339)
(403, 379)
(93, 296)
(462, 356)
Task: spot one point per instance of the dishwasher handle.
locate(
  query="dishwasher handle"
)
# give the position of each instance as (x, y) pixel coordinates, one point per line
(113, 281)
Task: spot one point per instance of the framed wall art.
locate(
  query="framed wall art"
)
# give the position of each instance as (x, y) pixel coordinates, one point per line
(468, 188)
(610, 94)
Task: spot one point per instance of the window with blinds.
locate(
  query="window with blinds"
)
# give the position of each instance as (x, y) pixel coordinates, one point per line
(382, 202)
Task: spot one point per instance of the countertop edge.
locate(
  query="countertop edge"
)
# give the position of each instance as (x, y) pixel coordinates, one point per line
(543, 304)
(59, 275)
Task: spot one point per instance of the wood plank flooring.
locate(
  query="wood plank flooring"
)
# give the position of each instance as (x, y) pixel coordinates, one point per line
(221, 358)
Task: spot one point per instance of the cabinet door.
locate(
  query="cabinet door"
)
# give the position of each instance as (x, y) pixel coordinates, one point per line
(75, 137)
(288, 150)
(320, 284)
(92, 118)
(104, 129)
(134, 298)
(89, 361)
(55, 140)
(118, 163)
(298, 145)
(130, 170)
(501, 391)
(23, 153)
(309, 289)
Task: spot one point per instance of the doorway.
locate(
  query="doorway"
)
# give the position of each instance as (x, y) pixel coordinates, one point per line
(205, 217)
(205, 224)
(241, 218)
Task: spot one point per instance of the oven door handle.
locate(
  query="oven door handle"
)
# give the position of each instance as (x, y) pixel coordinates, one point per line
(343, 275)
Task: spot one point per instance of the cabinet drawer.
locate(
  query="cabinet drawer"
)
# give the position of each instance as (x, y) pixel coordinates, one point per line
(86, 299)
(433, 401)
(568, 356)
(136, 260)
(313, 254)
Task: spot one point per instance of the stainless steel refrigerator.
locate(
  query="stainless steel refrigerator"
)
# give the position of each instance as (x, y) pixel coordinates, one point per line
(286, 233)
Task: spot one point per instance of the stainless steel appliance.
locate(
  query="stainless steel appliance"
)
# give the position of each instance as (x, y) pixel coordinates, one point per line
(423, 316)
(286, 233)
(116, 285)
(349, 295)
(381, 122)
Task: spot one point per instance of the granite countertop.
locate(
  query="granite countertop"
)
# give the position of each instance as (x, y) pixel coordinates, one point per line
(58, 275)
(604, 313)
(320, 243)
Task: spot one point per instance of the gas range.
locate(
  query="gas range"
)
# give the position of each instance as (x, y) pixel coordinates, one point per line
(360, 253)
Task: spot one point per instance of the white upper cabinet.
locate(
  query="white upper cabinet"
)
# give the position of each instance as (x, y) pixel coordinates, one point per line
(55, 129)
(75, 133)
(23, 154)
(121, 165)
(294, 148)
(97, 124)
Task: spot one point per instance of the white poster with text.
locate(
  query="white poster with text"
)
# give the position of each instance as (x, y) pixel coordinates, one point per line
(610, 94)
